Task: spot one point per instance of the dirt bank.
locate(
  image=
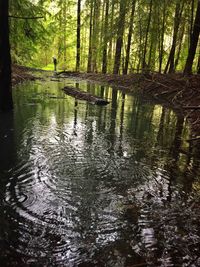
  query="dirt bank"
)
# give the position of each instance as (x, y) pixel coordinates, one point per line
(21, 74)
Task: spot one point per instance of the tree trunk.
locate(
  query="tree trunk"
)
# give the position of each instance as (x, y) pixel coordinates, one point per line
(78, 43)
(182, 31)
(89, 65)
(120, 33)
(105, 41)
(177, 20)
(193, 42)
(125, 70)
(6, 102)
(65, 33)
(198, 63)
(110, 46)
(95, 35)
(146, 37)
(161, 52)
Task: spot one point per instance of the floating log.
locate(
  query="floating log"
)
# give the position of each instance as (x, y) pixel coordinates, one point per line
(76, 93)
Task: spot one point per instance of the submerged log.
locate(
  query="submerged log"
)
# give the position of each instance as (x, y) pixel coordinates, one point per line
(76, 93)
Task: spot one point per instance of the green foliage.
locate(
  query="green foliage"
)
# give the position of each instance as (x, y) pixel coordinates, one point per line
(35, 41)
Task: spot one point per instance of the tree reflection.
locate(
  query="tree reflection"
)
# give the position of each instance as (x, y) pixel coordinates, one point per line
(121, 129)
(112, 135)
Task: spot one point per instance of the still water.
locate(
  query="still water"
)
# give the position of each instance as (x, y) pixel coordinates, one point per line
(85, 185)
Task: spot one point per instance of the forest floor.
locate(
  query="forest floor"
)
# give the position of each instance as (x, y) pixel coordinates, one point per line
(175, 91)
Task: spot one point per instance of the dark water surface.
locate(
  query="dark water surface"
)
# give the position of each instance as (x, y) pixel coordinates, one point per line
(84, 185)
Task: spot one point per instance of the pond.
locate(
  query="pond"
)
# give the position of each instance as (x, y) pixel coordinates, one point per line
(85, 185)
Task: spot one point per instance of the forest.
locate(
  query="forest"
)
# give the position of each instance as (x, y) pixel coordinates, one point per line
(99, 133)
(108, 36)
(95, 36)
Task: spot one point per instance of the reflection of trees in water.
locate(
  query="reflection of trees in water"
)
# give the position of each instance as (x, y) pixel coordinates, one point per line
(89, 188)
(75, 116)
(166, 128)
(160, 135)
(9, 217)
(191, 171)
(102, 112)
(121, 129)
(112, 135)
(176, 145)
(183, 164)
(7, 142)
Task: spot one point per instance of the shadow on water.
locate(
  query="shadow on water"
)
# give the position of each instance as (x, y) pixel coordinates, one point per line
(85, 185)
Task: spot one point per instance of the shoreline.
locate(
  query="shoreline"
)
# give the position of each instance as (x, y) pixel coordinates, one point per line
(175, 91)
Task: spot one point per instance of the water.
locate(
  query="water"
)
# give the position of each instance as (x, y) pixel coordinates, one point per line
(84, 185)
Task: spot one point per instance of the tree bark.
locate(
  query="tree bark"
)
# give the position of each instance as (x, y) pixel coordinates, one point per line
(95, 35)
(180, 43)
(6, 102)
(110, 45)
(177, 20)
(193, 42)
(198, 63)
(89, 65)
(65, 33)
(105, 44)
(161, 52)
(120, 33)
(78, 43)
(144, 65)
(125, 70)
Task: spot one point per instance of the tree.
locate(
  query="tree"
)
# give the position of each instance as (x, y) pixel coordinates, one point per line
(6, 102)
(105, 41)
(177, 20)
(193, 42)
(96, 34)
(120, 33)
(161, 39)
(128, 48)
(78, 43)
(28, 31)
(89, 65)
(144, 64)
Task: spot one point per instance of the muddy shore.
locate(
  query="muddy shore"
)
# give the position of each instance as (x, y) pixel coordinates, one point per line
(176, 91)
(21, 74)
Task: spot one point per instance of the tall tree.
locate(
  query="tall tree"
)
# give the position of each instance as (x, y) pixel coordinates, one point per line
(65, 30)
(130, 32)
(89, 65)
(95, 35)
(144, 64)
(111, 34)
(120, 33)
(161, 39)
(193, 42)
(6, 102)
(177, 20)
(105, 44)
(78, 43)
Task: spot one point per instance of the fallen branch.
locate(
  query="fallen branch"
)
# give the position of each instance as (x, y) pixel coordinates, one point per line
(194, 139)
(76, 93)
(192, 107)
(167, 92)
(158, 83)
